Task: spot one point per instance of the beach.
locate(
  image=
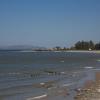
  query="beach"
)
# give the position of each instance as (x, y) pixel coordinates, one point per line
(90, 90)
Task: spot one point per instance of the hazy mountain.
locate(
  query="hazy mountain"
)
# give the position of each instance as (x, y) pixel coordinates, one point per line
(21, 47)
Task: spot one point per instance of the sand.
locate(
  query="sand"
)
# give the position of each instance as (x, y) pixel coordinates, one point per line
(91, 89)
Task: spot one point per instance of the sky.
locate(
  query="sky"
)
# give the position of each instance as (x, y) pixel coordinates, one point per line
(49, 23)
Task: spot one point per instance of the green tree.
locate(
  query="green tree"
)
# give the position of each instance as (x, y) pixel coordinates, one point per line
(97, 46)
(78, 45)
(91, 45)
(84, 45)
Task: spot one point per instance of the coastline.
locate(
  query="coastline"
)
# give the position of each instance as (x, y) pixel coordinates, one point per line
(77, 51)
(90, 90)
(85, 51)
(66, 88)
(65, 92)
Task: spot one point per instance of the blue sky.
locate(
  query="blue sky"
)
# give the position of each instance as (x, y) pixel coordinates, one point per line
(49, 22)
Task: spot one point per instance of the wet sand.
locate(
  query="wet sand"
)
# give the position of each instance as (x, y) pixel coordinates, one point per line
(64, 92)
(90, 90)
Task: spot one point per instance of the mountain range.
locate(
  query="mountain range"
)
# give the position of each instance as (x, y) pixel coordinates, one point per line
(21, 47)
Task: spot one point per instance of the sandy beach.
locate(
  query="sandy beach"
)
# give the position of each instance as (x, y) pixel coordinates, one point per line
(90, 90)
(85, 51)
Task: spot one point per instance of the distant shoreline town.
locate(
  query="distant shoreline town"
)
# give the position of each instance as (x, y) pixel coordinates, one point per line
(78, 46)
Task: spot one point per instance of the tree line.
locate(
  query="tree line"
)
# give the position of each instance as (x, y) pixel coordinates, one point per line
(87, 45)
(81, 45)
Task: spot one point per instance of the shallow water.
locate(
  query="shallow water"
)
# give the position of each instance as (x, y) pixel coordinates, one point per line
(20, 72)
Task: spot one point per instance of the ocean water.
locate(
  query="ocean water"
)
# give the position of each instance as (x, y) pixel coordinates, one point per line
(22, 73)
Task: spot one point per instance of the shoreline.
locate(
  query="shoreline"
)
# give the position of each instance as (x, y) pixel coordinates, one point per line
(76, 51)
(84, 51)
(90, 90)
(82, 92)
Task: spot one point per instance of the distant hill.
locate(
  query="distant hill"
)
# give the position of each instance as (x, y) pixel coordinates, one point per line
(21, 47)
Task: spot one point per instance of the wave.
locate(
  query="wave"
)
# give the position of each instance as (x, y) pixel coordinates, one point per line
(38, 97)
(98, 60)
(88, 67)
(69, 84)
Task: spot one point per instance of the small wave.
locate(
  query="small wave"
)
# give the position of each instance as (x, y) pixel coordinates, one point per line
(62, 61)
(88, 67)
(69, 84)
(14, 73)
(42, 83)
(98, 60)
(37, 97)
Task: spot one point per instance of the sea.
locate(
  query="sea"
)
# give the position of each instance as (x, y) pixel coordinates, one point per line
(29, 75)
